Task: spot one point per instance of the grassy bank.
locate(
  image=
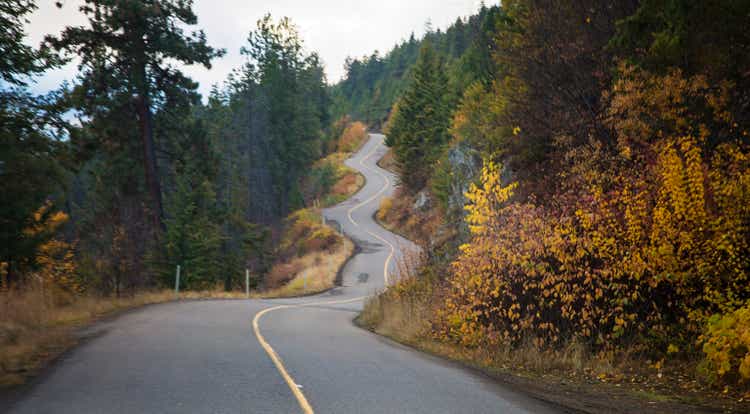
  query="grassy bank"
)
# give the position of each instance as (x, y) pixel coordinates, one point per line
(312, 273)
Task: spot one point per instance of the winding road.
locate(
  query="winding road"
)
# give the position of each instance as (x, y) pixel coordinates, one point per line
(272, 356)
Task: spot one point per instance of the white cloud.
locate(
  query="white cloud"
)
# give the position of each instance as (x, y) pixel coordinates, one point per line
(334, 28)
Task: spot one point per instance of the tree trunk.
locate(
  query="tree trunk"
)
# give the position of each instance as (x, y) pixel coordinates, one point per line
(149, 159)
(11, 274)
(117, 281)
(5, 275)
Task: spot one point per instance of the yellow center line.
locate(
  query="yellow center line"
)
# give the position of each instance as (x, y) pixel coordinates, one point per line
(298, 394)
(374, 196)
(303, 403)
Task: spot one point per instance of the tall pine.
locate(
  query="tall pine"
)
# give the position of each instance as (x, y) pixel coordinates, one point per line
(418, 130)
(126, 54)
(30, 155)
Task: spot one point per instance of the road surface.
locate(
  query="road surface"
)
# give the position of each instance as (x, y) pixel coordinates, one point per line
(272, 356)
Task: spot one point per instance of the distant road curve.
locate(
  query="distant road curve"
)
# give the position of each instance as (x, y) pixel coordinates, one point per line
(272, 356)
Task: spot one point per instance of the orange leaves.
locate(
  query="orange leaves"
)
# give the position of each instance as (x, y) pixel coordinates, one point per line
(352, 137)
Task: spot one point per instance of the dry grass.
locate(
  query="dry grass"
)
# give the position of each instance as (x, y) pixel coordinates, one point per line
(354, 135)
(347, 185)
(398, 215)
(388, 162)
(313, 272)
(406, 319)
(403, 311)
(37, 325)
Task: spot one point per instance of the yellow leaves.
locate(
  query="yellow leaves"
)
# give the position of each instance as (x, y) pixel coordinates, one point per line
(54, 257)
(352, 137)
(726, 345)
(46, 221)
(648, 245)
(485, 200)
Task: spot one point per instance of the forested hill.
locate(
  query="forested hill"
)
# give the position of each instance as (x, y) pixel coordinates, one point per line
(150, 177)
(373, 83)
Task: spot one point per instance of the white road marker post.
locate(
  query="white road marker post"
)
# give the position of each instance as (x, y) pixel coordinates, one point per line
(177, 282)
(247, 282)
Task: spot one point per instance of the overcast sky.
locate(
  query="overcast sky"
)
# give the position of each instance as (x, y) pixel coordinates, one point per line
(334, 28)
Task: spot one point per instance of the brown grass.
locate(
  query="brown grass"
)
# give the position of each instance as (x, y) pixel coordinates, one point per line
(388, 162)
(311, 273)
(36, 325)
(398, 215)
(347, 185)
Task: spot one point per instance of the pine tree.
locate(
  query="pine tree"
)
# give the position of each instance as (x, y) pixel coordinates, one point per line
(291, 85)
(193, 237)
(30, 157)
(124, 62)
(418, 131)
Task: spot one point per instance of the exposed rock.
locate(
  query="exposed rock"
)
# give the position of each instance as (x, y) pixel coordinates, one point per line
(465, 164)
(422, 202)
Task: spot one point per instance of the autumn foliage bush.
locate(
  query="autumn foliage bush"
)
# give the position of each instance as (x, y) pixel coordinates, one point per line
(304, 233)
(643, 245)
(726, 344)
(352, 137)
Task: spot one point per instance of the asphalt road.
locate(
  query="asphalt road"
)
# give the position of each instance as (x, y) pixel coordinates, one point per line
(272, 356)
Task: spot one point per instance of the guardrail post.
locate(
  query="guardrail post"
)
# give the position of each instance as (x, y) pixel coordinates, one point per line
(177, 282)
(247, 282)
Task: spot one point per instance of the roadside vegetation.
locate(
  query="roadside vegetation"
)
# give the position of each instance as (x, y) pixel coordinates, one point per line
(585, 211)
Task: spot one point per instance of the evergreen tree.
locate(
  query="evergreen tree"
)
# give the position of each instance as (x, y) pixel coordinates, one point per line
(291, 88)
(125, 54)
(193, 237)
(418, 131)
(30, 156)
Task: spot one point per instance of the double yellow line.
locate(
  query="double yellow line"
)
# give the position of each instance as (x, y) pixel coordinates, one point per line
(298, 394)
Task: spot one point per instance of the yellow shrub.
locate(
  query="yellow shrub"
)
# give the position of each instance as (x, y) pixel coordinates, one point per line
(352, 137)
(726, 344)
(385, 206)
(304, 232)
(55, 257)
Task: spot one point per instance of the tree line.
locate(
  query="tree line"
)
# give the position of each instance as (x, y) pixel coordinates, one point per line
(126, 173)
(373, 83)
